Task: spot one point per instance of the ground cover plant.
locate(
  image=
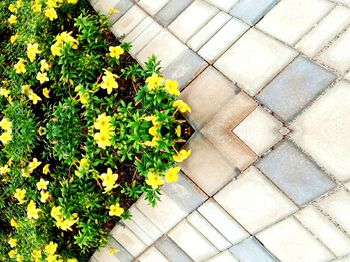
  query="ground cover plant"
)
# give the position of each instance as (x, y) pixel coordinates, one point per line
(84, 131)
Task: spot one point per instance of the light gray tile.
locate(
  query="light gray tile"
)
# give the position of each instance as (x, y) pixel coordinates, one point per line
(171, 11)
(171, 251)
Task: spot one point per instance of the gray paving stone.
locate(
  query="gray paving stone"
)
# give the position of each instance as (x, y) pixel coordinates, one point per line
(251, 250)
(171, 251)
(121, 5)
(295, 174)
(103, 255)
(292, 90)
(186, 194)
(185, 68)
(171, 11)
(251, 11)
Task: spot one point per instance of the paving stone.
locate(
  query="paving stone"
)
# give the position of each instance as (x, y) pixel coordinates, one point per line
(290, 242)
(325, 230)
(185, 67)
(295, 87)
(254, 60)
(171, 251)
(225, 5)
(254, 202)
(139, 29)
(151, 6)
(259, 131)
(206, 166)
(347, 76)
(93, 2)
(165, 46)
(337, 206)
(344, 259)
(207, 230)
(295, 174)
(128, 21)
(225, 256)
(251, 250)
(151, 255)
(206, 95)
(186, 194)
(165, 215)
(323, 130)
(145, 37)
(289, 20)
(345, 2)
(222, 40)
(192, 242)
(251, 11)
(128, 240)
(219, 131)
(338, 54)
(213, 26)
(347, 185)
(325, 31)
(185, 26)
(139, 232)
(171, 11)
(102, 255)
(121, 5)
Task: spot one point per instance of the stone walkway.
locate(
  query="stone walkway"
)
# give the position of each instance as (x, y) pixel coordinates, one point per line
(269, 176)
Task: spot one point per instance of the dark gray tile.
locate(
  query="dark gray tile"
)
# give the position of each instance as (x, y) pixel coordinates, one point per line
(171, 251)
(251, 250)
(295, 174)
(251, 11)
(295, 87)
(185, 68)
(171, 11)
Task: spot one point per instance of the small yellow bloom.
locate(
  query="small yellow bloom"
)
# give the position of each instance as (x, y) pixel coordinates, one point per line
(36, 255)
(154, 81)
(109, 180)
(12, 242)
(6, 124)
(171, 86)
(109, 81)
(32, 211)
(182, 106)
(4, 92)
(154, 180)
(46, 92)
(116, 210)
(103, 122)
(12, 8)
(26, 89)
(103, 139)
(51, 13)
(46, 169)
(42, 184)
(116, 51)
(182, 155)
(178, 131)
(42, 77)
(34, 98)
(112, 11)
(36, 6)
(19, 258)
(44, 196)
(12, 253)
(14, 223)
(51, 248)
(172, 175)
(4, 170)
(44, 66)
(20, 66)
(56, 49)
(72, 260)
(6, 137)
(26, 172)
(56, 213)
(32, 51)
(34, 164)
(13, 19)
(14, 38)
(72, 2)
(112, 250)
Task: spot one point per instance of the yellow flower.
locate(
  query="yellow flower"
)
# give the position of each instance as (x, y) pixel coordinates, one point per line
(178, 131)
(171, 86)
(44, 196)
(36, 255)
(116, 210)
(182, 106)
(32, 211)
(14, 223)
(32, 51)
(19, 258)
(109, 180)
(103, 139)
(6, 124)
(12, 242)
(42, 77)
(12, 253)
(14, 38)
(66, 224)
(154, 180)
(116, 51)
(4, 170)
(44, 66)
(83, 98)
(72, 260)
(51, 248)
(20, 66)
(182, 155)
(152, 118)
(26, 89)
(19, 3)
(4, 92)
(12, 8)
(6, 137)
(42, 184)
(26, 172)
(46, 169)
(103, 122)
(56, 212)
(36, 6)
(153, 131)
(112, 11)
(172, 175)
(34, 97)
(56, 49)
(72, 2)
(51, 13)
(12, 19)
(154, 81)
(34, 164)
(46, 92)
(109, 81)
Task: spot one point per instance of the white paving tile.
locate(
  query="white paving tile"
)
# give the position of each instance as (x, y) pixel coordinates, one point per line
(192, 20)
(254, 60)
(128, 21)
(253, 201)
(214, 25)
(152, 6)
(337, 206)
(259, 131)
(192, 242)
(291, 242)
(289, 20)
(222, 40)
(145, 37)
(225, 256)
(325, 31)
(338, 54)
(225, 5)
(325, 230)
(347, 185)
(139, 29)
(323, 130)
(128, 240)
(152, 255)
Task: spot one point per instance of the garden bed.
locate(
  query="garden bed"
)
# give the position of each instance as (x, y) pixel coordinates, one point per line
(84, 130)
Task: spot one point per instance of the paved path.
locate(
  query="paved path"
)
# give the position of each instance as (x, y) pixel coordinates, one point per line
(269, 177)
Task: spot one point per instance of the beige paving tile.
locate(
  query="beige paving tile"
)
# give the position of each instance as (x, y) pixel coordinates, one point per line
(152, 255)
(219, 130)
(139, 29)
(325, 31)
(128, 240)
(128, 21)
(291, 242)
(206, 95)
(225, 256)
(338, 54)
(185, 26)
(151, 6)
(323, 130)
(325, 230)
(337, 206)
(259, 131)
(289, 20)
(253, 201)
(225, 5)
(192, 242)
(254, 60)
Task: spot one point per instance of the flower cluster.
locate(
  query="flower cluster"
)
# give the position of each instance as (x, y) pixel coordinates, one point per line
(61, 221)
(104, 125)
(61, 40)
(6, 126)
